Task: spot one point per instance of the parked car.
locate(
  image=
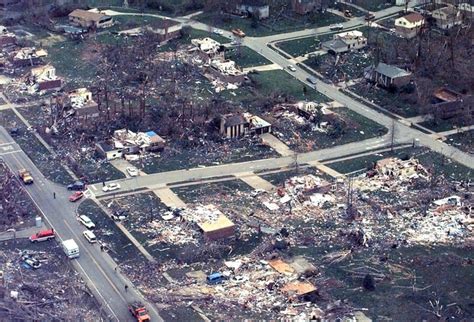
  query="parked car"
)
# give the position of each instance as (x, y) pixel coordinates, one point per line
(132, 171)
(218, 32)
(90, 236)
(369, 16)
(292, 68)
(111, 187)
(347, 14)
(86, 221)
(78, 186)
(337, 26)
(215, 278)
(43, 235)
(76, 196)
(117, 216)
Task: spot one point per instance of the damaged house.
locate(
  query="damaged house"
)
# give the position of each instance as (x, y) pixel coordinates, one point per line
(82, 103)
(89, 19)
(257, 8)
(447, 17)
(345, 41)
(6, 38)
(387, 76)
(44, 78)
(210, 48)
(233, 126)
(125, 143)
(211, 221)
(410, 25)
(447, 103)
(28, 56)
(303, 7)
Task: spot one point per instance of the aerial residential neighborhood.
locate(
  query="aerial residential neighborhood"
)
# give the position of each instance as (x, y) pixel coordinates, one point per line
(207, 160)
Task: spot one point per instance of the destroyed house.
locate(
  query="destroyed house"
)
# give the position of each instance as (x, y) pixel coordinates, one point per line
(211, 221)
(256, 8)
(410, 25)
(209, 47)
(28, 57)
(90, 19)
(6, 38)
(303, 7)
(447, 103)
(302, 291)
(387, 76)
(44, 78)
(81, 102)
(447, 17)
(108, 152)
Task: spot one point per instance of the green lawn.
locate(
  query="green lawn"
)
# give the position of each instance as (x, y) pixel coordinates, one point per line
(373, 5)
(432, 160)
(300, 47)
(246, 57)
(270, 26)
(463, 141)
(438, 125)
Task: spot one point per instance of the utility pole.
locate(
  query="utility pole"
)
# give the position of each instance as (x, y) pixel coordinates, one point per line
(392, 136)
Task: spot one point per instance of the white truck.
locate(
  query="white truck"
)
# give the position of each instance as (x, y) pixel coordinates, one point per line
(70, 248)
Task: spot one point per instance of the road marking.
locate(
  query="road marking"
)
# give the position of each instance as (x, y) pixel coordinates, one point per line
(10, 152)
(7, 143)
(78, 264)
(100, 268)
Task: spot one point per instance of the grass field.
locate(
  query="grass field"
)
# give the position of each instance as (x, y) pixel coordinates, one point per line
(463, 141)
(246, 57)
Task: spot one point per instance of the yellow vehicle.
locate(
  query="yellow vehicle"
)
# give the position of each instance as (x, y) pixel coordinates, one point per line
(25, 176)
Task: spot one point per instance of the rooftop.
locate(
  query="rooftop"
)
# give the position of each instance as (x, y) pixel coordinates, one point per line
(87, 15)
(391, 71)
(414, 17)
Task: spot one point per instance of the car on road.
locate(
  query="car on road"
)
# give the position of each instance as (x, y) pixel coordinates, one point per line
(132, 171)
(292, 68)
(111, 187)
(347, 14)
(78, 186)
(218, 31)
(90, 236)
(25, 176)
(312, 80)
(86, 221)
(76, 196)
(336, 26)
(369, 16)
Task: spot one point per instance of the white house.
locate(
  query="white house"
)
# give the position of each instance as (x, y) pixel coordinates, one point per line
(408, 26)
(254, 7)
(346, 41)
(447, 17)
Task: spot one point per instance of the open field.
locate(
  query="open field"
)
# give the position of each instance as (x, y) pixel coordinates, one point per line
(246, 57)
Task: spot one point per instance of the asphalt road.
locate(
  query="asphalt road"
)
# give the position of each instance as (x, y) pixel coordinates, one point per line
(163, 178)
(95, 267)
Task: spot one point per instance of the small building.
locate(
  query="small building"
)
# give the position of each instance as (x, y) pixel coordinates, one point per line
(345, 41)
(90, 19)
(226, 70)
(6, 38)
(233, 126)
(447, 103)
(447, 17)
(213, 223)
(254, 7)
(108, 152)
(303, 7)
(388, 76)
(165, 29)
(44, 77)
(82, 103)
(410, 25)
(155, 142)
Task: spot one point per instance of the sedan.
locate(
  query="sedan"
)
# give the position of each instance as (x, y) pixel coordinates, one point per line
(90, 236)
(336, 26)
(86, 221)
(132, 171)
(111, 187)
(76, 196)
(218, 32)
(292, 68)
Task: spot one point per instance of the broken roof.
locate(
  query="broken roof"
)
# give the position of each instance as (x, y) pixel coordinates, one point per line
(219, 223)
(298, 288)
(447, 95)
(281, 267)
(235, 120)
(391, 71)
(87, 15)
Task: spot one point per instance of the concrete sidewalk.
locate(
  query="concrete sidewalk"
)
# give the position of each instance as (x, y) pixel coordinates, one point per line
(326, 169)
(255, 181)
(280, 147)
(169, 198)
(23, 233)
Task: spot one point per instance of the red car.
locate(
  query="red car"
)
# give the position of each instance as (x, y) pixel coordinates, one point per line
(42, 236)
(76, 196)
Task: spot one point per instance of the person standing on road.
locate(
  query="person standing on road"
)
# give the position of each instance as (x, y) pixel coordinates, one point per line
(126, 288)
(54, 195)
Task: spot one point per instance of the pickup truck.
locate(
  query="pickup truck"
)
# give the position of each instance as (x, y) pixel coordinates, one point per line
(25, 176)
(139, 312)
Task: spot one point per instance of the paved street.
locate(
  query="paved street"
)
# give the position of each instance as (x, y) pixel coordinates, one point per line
(96, 267)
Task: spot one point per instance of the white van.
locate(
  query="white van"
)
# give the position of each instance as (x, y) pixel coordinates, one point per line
(70, 248)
